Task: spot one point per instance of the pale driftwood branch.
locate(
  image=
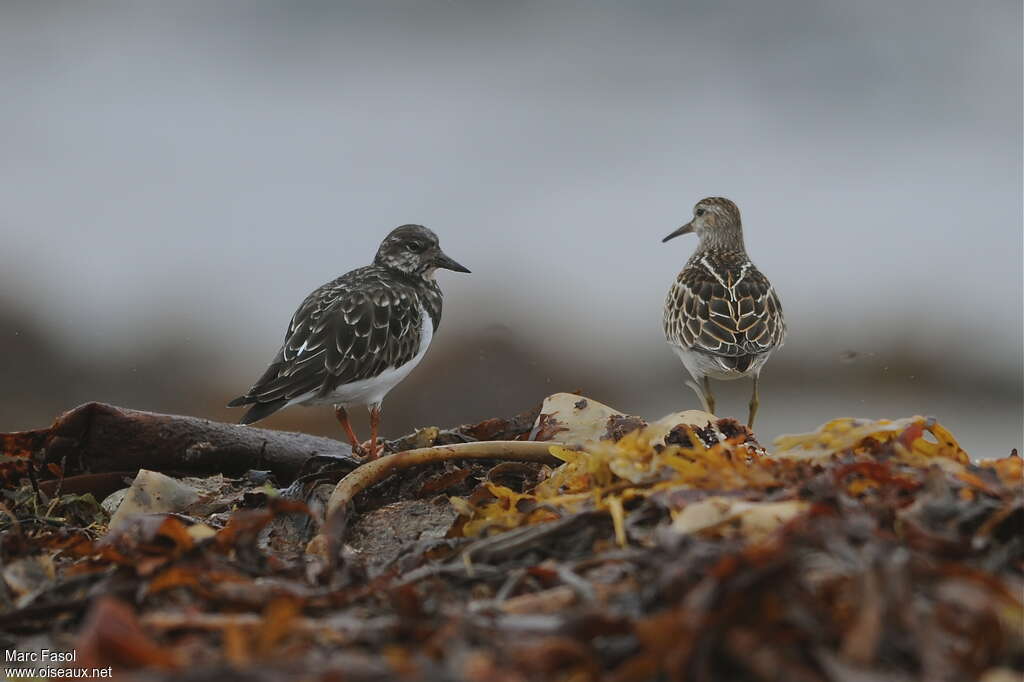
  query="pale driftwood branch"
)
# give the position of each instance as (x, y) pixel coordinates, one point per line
(372, 473)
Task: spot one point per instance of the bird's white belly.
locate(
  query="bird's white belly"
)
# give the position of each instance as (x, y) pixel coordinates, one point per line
(701, 365)
(372, 391)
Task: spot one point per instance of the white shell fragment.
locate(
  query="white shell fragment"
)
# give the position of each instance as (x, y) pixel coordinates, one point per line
(661, 428)
(152, 493)
(28, 577)
(751, 520)
(112, 501)
(575, 420)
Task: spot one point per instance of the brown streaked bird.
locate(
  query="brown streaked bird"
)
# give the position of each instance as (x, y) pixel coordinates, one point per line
(355, 338)
(722, 316)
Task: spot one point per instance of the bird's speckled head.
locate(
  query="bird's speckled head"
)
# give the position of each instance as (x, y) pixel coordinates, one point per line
(716, 220)
(414, 250)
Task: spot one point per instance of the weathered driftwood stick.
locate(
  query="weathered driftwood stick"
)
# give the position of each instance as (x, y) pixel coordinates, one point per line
(372, 473)
(96, 437)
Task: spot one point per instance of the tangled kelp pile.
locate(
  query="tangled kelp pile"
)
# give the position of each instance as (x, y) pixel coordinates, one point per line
(682, 549)
(612, 475)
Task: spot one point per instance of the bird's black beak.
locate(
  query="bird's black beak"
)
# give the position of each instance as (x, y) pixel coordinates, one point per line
(685, 229)
(446, 263)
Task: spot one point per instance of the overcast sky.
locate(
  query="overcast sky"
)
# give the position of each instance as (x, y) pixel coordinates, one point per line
(196, 168)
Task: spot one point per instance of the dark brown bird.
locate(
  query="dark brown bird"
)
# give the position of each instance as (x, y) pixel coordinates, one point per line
(722, 316)
(354, 339)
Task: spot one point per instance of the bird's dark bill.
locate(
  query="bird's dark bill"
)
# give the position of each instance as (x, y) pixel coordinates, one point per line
(446, 263)
(685, 229)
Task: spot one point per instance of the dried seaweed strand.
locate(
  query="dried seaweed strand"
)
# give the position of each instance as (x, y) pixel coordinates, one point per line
(372, 473)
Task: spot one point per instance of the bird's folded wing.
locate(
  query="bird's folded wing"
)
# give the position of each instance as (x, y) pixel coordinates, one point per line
(342, 335)
(731, 313)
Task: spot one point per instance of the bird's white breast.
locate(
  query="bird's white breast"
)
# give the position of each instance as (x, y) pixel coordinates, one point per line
(700, 365)
(372, 391)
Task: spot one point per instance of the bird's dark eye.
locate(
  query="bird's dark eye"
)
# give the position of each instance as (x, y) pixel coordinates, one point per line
(699, 212)
(415, 247)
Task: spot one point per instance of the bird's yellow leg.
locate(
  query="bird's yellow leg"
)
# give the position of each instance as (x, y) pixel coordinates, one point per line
(753, 405)
(709, 398)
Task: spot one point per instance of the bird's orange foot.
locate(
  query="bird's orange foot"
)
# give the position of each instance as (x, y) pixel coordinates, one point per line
(369, 450)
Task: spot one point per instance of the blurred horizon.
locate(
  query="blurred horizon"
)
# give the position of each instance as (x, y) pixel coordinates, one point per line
(178, 176)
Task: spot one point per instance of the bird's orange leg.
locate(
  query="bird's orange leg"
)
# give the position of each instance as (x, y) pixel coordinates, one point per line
(374, 424)
(342, 416)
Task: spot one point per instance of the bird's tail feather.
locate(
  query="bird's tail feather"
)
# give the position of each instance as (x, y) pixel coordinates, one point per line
(261, 410)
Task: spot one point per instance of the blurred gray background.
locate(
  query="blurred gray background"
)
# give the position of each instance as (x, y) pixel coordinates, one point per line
(176, 176)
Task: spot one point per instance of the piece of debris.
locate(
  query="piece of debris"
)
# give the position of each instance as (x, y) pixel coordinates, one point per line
(610, 549)
(152, 492)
